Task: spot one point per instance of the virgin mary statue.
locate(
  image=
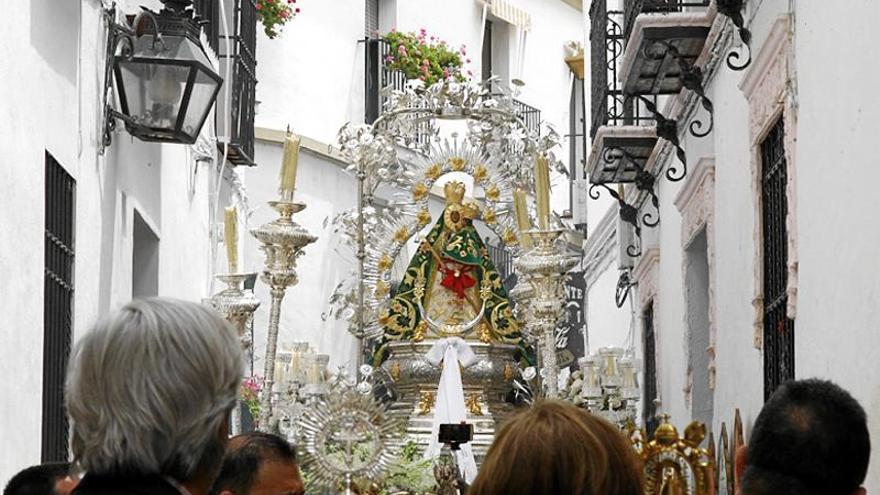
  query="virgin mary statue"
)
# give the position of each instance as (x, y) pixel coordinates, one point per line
(451, 283)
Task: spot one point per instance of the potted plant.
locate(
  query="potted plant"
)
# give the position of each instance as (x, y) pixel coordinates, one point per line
(426, 58)
(274, 14)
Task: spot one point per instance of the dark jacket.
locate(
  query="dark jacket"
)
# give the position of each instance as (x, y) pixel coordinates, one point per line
(128, 485)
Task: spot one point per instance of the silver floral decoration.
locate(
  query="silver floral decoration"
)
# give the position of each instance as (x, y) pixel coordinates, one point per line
(497, 146)
(346, 435)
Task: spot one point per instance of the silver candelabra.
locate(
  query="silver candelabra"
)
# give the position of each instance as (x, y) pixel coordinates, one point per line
(282, 241)
(237, 305)
(546, 266)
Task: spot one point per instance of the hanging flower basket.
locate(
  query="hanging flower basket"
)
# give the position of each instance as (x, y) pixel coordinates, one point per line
(274, 14)
(426, 58)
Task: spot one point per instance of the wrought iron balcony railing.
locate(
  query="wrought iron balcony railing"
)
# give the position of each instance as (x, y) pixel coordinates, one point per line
(241, 35)
(632, 8)
(378, 77)
(608, 103)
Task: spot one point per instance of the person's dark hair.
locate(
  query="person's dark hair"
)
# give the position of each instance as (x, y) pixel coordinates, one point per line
(811, 432)
(556, 448)
(37, 480)
(246, 453)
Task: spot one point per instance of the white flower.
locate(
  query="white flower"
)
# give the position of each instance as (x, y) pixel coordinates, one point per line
(364, 388)
(529, 373)
(366, 370)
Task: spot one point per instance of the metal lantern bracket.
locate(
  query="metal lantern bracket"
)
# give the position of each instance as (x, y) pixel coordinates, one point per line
(733, 10)
(120, 37)
(624, 284)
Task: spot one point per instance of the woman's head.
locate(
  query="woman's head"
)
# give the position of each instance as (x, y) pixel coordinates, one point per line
(149, 390)
(555, 448)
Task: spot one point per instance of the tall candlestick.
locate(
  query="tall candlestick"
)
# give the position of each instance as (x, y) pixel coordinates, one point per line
(230, 233)
(522, 217)
(542, 191)
(288, 167)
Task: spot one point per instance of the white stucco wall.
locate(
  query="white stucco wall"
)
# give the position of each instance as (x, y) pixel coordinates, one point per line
(834, 166)
(838, 315)
(55, 51)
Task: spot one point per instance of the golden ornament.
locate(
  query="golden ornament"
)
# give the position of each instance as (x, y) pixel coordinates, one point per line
(473, 404)
(385, 263)
(423, 217)
(402, 235)
(382, 289)
(493, 193)
(426, 402)
(480, 173)
(420, 191)
(434, 171)
(489, 215)
(457, 163)
(509, 237)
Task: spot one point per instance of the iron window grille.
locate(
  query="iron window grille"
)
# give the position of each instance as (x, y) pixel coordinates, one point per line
(242, 45)
(778, 328)
(58, 286)
(649, 388)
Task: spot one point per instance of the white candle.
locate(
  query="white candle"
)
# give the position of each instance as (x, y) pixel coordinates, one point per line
(230, 234)
(289, 166)
(542, 191)
(522, 217)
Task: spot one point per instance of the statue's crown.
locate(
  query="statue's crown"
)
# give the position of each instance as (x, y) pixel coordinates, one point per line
(454, 192)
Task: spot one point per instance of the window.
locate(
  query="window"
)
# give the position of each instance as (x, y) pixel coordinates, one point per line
(144, 260)
(649, 401)
(60, 196)
(486, 70)
(778, 328)
(697, 320)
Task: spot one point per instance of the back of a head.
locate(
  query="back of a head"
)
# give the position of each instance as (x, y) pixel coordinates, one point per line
(555, 448)
(810, 432)
(244, 456)
(37, 480)
(149, 388)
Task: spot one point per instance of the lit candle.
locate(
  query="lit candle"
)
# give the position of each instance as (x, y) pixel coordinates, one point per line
(230, 233)
(288, 167)
(542, 191)
(522, 217)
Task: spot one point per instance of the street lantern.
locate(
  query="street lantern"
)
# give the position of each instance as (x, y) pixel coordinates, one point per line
(165, 83)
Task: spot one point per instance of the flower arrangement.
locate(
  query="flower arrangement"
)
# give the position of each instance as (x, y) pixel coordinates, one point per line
(274, 14)
(424, 57)
(249, 392)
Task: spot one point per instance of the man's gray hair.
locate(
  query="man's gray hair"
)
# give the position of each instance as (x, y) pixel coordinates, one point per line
(150, 386)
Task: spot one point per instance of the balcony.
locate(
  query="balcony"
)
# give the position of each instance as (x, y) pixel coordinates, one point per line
(377, 79)
(242, 42)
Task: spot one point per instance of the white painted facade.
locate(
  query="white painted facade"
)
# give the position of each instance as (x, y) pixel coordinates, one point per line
(53, 78)
(808, 65)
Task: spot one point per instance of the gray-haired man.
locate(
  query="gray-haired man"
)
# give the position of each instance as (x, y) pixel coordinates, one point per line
(149, 392)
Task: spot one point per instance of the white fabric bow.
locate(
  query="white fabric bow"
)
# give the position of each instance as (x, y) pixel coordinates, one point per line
(449, 406)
